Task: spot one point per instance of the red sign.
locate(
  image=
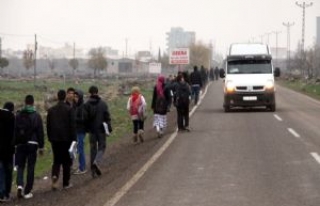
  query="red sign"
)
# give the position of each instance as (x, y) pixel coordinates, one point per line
(179, 56)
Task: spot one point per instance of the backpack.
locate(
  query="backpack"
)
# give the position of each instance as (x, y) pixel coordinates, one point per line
(23, 128)
(161, 105)
(135, 105)
(182, 95)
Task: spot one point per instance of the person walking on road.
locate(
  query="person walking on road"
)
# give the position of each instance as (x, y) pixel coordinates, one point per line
(161, 97)
(196, 84)
(216, 73)
(99, 125)
(7, 120)
(29, 137)
(81, 117)
(182, 101)
(137, 109)
(61, 130)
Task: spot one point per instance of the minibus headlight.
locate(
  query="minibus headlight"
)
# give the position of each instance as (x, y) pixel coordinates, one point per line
(230, 87)
(269, 84)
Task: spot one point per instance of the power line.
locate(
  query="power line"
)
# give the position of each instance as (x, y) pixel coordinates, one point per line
(50, 40)
(16, 35)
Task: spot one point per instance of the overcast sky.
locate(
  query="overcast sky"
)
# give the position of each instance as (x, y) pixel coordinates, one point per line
(92, 23)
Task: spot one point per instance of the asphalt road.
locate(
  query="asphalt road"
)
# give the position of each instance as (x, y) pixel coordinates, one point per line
(243, 158)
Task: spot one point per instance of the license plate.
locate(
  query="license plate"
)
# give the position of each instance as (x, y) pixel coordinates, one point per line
(250, 98)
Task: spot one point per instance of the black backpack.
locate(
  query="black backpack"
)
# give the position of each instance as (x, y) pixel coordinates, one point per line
(182, 95)
(23, 128)
(161, 105)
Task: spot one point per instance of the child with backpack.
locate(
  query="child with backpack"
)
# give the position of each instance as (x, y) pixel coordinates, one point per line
(137, 109)
(29, 137)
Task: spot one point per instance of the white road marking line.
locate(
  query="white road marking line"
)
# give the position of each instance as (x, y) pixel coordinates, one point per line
(200, 100)
(294, 133)
(115, 199)
(315, 156)
(277, 117)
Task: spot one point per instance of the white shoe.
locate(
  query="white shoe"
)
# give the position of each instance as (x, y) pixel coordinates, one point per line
(28, 196)
(158, 129)
(20, 192)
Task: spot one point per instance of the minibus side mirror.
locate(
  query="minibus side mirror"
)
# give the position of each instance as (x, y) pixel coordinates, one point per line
(277, 72)
(222, 73)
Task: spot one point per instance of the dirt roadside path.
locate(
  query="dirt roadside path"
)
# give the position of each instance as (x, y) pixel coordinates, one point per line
(122, 160)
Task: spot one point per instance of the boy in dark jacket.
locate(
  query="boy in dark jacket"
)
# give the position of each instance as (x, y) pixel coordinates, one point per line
(196, 84)
(98, 116)
(81, 117)
(61, 130)
(29, 137)
(182, 101)
(6, 150)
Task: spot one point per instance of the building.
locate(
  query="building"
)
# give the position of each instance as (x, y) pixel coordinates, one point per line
(178, 38)
(318, 31)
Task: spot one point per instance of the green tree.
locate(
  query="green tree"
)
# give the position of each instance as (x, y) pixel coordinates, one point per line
(4, 62)
(28, 60)
(97, 60)
(74, 64)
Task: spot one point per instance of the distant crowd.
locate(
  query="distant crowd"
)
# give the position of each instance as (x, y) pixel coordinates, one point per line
(68, 122)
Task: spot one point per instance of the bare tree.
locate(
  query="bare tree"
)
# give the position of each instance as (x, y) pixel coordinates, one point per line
(51, 64)
(97, 60)
(28, 61)
(74, 64)
(199, 54)
(164, 60)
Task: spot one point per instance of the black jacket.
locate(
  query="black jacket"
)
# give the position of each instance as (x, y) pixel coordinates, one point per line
(167, 97)
(6, 134)
(61, 124)
(195, 78)
(182, 94)
(98, 112)
(81, 114)
(37, 124)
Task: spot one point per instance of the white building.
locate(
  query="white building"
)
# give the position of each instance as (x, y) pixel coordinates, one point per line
(178, 38)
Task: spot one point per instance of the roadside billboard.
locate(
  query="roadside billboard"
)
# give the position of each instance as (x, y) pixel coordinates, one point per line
(155, 68)
(179, 56)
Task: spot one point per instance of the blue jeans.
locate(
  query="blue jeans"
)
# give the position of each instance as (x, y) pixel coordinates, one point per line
(26, 154)
(195, 90)
(82, 156)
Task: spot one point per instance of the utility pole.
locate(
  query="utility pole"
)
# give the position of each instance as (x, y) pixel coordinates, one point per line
(304, 5)
(277, 33)
(261, 37)
(35, 59)
(288, 25)
(268, 36)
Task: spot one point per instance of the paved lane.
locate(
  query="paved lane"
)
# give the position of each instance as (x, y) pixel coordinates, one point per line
(243, 158)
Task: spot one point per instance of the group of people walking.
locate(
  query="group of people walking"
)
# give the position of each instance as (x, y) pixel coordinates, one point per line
(22, 138)
(71, 118)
